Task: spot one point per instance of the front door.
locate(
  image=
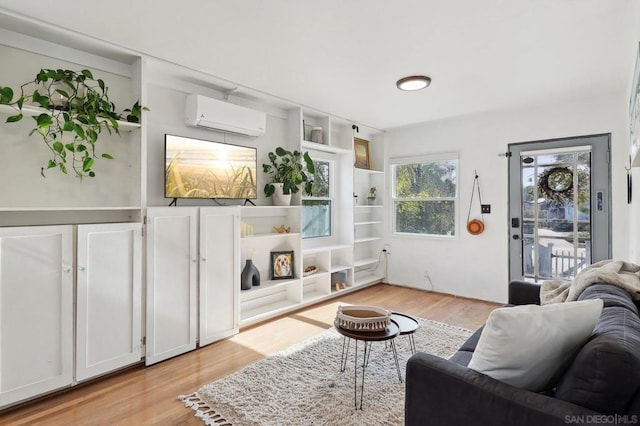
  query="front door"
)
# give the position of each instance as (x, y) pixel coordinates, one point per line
(559, 206)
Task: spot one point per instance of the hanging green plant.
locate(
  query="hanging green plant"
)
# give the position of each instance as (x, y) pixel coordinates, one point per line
(556, 185)
(78, 110)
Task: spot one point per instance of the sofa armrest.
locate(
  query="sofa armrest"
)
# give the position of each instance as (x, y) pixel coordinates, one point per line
(524, 293)
(441, 392)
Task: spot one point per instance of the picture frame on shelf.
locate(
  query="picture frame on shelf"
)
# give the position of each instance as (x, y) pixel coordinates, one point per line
(282, 265)
(362, 153)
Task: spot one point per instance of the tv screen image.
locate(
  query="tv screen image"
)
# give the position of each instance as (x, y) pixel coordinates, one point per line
(196, 168)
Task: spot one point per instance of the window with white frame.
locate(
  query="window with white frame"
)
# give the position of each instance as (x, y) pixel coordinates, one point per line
(425, 195)
(316, 209)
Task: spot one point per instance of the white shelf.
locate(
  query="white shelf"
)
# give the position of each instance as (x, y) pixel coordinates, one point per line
(364, 262)
(245, 210)
(313, 295)
(364, 240)
(325, 148)
(337, 268)
(363, 279)
(316, 275)
(334, 291)
(266, 311)
(321, 249)
(270, 235)
(65, 209)
(375, 222)
(372, 172)
(264, 286)
(31, 111)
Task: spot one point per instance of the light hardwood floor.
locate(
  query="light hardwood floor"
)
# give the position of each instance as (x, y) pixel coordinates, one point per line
(148, 396)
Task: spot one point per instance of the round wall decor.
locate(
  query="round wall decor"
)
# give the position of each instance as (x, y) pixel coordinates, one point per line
(475, 226)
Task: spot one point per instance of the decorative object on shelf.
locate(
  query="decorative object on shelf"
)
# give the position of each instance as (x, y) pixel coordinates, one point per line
(475, 226)
(287, 174)
(246, 229)
(306, 131)
(79, 109)
(362, 318)
(362, 153)
(282, 229)
(282, 266)
(372, 195)
(316, 135)
(250, 276)
(634, 107)
(339, 279)
(309, 270)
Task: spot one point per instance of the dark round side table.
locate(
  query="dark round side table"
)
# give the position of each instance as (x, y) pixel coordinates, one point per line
(368, 337)
(408, 325)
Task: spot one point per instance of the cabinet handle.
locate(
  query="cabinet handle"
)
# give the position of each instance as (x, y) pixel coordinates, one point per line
(204, 259)
(66, 268)
(81, 268)
(194, 260)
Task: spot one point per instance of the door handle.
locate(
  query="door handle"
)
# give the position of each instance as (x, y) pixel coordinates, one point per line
(516, 237)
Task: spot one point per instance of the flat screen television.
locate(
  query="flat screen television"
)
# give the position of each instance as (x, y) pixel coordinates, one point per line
(196, 168)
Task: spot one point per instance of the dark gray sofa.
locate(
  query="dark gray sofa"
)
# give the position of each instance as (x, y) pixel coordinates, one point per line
(602, 381)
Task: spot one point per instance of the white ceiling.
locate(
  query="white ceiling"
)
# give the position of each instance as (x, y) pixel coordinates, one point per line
(344, 56)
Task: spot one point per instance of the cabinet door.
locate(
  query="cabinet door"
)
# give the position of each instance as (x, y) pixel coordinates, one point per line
(171, 282)
(219, 273)
(109, 319)
(36, 311)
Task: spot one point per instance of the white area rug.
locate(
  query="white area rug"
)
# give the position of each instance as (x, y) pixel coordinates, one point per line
(303, 385)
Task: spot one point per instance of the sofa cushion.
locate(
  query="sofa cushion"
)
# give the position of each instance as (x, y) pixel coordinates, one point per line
(526, 346)
(462, 357)
(605, 375)
(611, 295)
(472, 342)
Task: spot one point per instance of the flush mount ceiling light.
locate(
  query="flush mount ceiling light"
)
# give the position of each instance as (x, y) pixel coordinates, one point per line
(414, 82)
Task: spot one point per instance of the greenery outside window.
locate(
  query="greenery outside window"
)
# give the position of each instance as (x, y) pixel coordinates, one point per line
(425, 195)
(316, 209)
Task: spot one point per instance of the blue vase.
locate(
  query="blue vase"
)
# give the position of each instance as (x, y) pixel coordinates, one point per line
(250, 276)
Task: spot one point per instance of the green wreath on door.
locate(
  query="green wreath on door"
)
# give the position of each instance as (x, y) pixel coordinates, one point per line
(556, 185)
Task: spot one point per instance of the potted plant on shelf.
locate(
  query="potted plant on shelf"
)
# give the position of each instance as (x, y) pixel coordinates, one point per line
(75, 108)
(288, 174)
(372, 195)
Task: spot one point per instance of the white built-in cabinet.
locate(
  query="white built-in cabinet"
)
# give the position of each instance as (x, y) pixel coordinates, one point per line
(36, 311)
(219, 281)
(171, 282)
(184, 309)
(108, 298)
(143, 280)
(37, 285)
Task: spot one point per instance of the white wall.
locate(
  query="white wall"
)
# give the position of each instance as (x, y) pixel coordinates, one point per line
(634, 212)
(166, 99)
(117, 181)
(477, 266)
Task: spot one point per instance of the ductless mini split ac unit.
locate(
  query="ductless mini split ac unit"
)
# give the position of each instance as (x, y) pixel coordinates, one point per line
(224, 116)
